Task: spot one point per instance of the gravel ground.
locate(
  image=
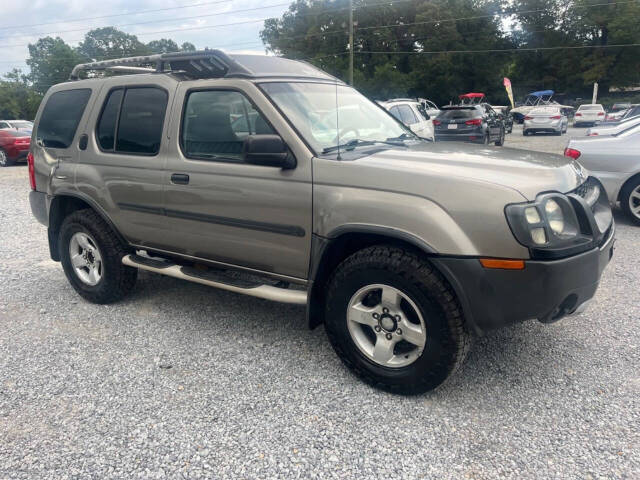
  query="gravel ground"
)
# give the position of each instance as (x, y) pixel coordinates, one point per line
(184, 381)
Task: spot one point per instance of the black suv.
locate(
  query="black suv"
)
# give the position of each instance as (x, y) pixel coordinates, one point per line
(470, 123)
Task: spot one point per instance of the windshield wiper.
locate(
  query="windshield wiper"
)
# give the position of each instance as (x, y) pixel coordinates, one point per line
(351, 144)
(404, 136)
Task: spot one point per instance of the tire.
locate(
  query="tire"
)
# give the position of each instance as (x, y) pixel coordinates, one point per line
(487, 139)
(115, 279)
(630, 200)
(525, 133)
(558, 134)
(500, 141)
(446, 340)
(4, 159)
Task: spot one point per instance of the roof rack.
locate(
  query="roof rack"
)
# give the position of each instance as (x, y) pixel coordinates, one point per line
(198, 64)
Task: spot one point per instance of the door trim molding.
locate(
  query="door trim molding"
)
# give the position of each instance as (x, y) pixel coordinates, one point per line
(281, 229)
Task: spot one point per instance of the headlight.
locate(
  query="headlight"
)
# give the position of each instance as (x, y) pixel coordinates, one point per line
(547, 224)
(554, 215)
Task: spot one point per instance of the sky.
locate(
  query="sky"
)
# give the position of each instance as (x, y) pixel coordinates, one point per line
(195, 21)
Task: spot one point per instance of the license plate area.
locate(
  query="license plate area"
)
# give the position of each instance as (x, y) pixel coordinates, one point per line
(452, 126)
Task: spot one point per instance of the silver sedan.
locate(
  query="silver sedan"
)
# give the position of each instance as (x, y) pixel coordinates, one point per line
(615, 161)
(545, 119)
(614, 128)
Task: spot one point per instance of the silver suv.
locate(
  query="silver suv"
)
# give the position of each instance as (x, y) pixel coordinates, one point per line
(269, 177)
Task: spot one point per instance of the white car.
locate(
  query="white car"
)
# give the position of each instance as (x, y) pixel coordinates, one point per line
(546, 120)
(591, 113)
(614, 160)
(431, 108)
(413, 115)
(614, 128)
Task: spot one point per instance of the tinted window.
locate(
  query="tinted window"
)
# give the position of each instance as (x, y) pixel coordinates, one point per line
(107, 124)
(141, 119)
(408, 118)
(459, 113)
(422, 111)
(216, 123)
(61, 116)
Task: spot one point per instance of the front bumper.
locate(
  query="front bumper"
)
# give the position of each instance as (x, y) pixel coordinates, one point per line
(546, 289)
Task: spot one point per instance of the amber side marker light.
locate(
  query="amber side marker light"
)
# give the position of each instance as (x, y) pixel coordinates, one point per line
(498, 263)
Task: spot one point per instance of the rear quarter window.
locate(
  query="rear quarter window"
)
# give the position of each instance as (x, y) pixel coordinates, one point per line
(61, 116)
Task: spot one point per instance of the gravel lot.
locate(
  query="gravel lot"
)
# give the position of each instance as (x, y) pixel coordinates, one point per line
(183, 381)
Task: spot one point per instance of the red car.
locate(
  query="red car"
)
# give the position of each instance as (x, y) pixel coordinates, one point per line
(14, 146)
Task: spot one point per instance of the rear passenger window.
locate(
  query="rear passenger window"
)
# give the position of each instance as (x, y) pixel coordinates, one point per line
(131, 121)
(215, 124)
(396, 113)
(107, 124)
(61, 116)
(408, 118)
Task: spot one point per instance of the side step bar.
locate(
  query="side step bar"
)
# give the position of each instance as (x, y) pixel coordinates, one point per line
(268, 292)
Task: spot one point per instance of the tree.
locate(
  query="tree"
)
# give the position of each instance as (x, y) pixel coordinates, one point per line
(51, 61)
(108, 43)
(163, 45)
(188, 47)
(17, 99)
(393, 43)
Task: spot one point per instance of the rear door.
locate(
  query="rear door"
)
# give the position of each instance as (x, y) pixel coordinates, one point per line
(54, 141)
(122, 167)
(222, 209)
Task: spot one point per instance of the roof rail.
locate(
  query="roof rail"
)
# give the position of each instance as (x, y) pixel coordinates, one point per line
(198, 64)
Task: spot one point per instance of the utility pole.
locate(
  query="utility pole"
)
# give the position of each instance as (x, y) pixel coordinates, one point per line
(350, 42)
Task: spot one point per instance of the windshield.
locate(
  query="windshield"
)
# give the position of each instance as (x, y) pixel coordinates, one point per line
(22, 124)
(311, 108)
(458, 114)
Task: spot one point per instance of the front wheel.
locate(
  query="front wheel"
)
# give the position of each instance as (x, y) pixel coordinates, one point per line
(394, 321)
(4, 159)
(91, 256)
(630, 200)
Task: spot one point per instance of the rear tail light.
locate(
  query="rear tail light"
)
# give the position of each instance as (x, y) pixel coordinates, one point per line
(571, 152)
(600, 114)
(527, 117)
(437, 122)
(22, 141)
(593, 134)
(578, 114)
(556, 117)
(475, 121)
(32, 171)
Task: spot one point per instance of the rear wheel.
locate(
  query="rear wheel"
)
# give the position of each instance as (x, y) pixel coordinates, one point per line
(525, 133)
(500, 141)
(91, 256)
(4, 159)
(394, 321)
(630, 200)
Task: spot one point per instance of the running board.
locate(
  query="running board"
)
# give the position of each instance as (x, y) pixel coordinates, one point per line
(217, 280)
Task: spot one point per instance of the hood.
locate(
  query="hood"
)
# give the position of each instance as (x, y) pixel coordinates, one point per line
(529, 173)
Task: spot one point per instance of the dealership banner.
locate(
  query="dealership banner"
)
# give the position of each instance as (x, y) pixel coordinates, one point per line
(507, 85)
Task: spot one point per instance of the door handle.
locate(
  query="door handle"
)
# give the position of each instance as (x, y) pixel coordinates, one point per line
(179, 178)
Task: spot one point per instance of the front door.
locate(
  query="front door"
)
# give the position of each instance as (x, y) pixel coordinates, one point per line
(122, 167)
(222, 209)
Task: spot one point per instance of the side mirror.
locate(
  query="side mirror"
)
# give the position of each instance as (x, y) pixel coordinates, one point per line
(268, 151)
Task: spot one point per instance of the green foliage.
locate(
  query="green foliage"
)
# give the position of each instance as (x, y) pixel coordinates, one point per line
(108, 42)
(17, 99)
(408, 58)
(51, 61)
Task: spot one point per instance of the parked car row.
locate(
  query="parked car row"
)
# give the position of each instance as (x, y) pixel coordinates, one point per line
(15, 138)
(615, 161)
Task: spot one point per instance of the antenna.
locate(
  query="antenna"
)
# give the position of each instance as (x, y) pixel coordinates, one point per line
(337, 123)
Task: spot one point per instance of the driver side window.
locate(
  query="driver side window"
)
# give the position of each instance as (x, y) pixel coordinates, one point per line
(215, 124)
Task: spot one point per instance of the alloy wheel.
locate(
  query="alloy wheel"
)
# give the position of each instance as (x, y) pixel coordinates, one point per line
(386, 326)
(634, 202)
(85, 258)
(3, 158)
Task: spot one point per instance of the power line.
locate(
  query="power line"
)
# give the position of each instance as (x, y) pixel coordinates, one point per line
(115, 15)
(387, 3)
(165, 19)
(497, 50)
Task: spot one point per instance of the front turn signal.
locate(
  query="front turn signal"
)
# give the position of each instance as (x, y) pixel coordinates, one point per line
(501, 264)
